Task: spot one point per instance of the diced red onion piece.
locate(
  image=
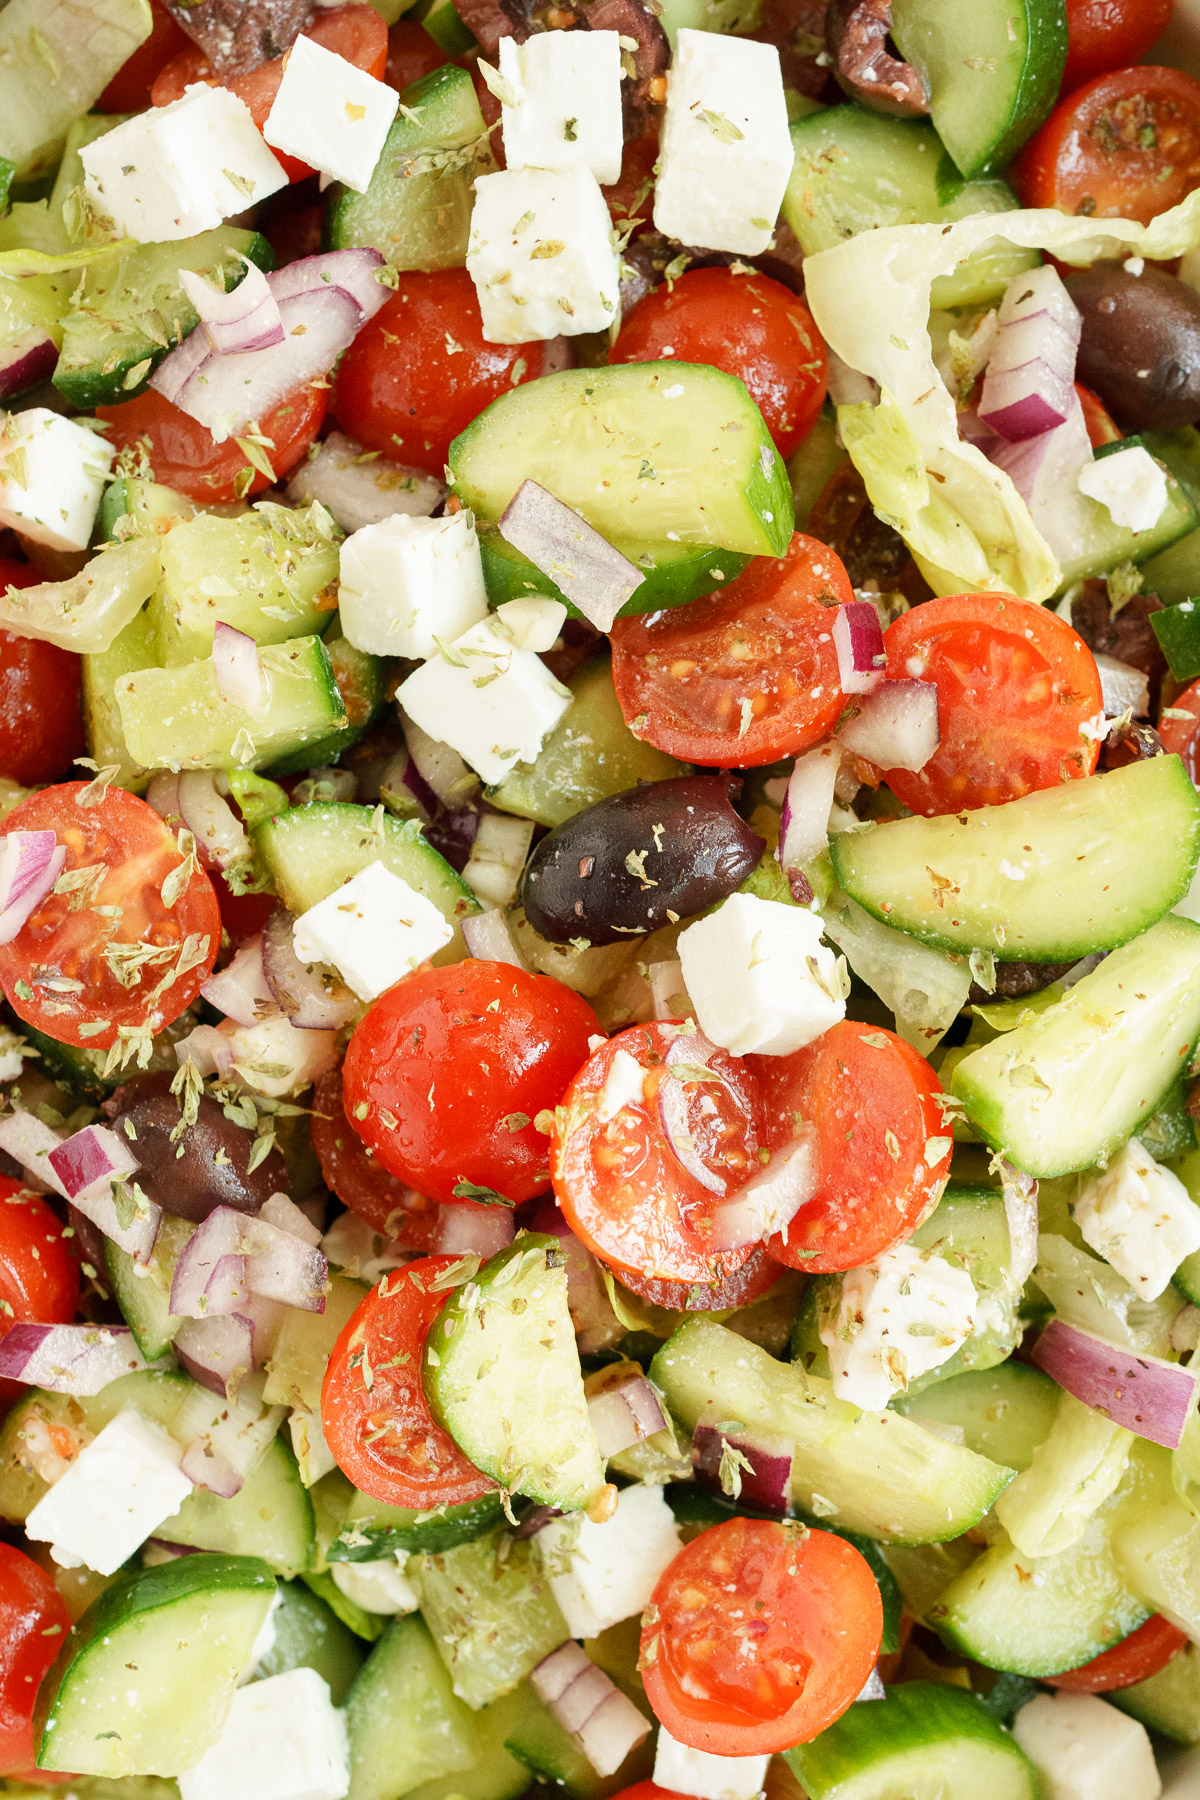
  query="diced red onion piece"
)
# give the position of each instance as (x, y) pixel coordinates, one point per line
(770, 1200)
(176, 369)
(766, 1485)
(804, 824)
(498, 852)
(1124, 688)
(849, 387)
(137, 1238)
(1023, 402)
(1146, 1395)
(488, 938)
(442, 769)
(858, 640)
(668, 989)
(312, 996)
(219, 833)
(582, 1698)
(69, 1359)
(1045, 472)
(972, 430)
(245, 318)
(354, 272)
(226, 1440)
(466, 1228)
(239, 670)
(358, 488)
(28, 1141)
(282, 1267)
(208, 1048)
(282, 1212)
(896, 727)
(624, 1414)
(265, 1319)
(240, 989)
(693, 1048)
(1021, 1213)
(26, 361)
(555, 1673)
(218, 1353)
(585, 567)
(1040, 291)
(207, 1468)
(30, 864)
(218, 1237)
(88, 1156)
(596, 1326)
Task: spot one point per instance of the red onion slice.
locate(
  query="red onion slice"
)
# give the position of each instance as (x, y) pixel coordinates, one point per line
(240, 989)
(488, 938)
(219, 833)
(312, 996)
(1023, 402)
(465, 1229)
(771, 1199)
(1146, 1395)
(585, 567)
(691, 1048)
(612, 1731)
(219, 1236)
(226, 1440)
(758, 1470)
(176, 369)
(218, 1353)
(30, 864)
(26, 361)
(668, 990)
(624, 1413)
(360, 488)
(239, 670)
(858, 640)
(69, 1359)
(208, 1048)
(88, 1156)
(804, 824)
(896, 727)
(245, 318)
(604, 1723)
(354, 272)
(282, 1267)
(1028, 389)
(1045, 472)
(28, 1141)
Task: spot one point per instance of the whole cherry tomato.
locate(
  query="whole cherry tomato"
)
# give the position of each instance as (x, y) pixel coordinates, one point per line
(1103, 35)
(1125, 146)
(41, 722)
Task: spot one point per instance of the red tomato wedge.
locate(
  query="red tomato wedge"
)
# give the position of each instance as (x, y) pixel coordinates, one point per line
(374, 1413)
(1179, 729)
(1142, 1654)
(1014, 683)
(34, 1622)
(183, 455)
(39, 1276)
(1103, 35)
(359, 1180)
(1125, 146)
(744, 676)
(129, 89)
(759, 1635)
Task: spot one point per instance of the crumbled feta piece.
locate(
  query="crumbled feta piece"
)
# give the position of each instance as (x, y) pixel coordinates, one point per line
(1084, 1749)
(408, 582)
(897, 1318)
(113, 1497)
(541, 255)
(174, 171)
(486, 697)
(681, 1770)
(533, 622)
(374, 929)
(313, 1455)
(760, 978)
(283, 1740)
(330, 114)
(378, 1587)
(568, 110)
(276, 1059)
(51, 477)
(601, 1574)
(726, 152)
(1130, 484)
(1140, 1218)
(264, 1643)
(623, 1086)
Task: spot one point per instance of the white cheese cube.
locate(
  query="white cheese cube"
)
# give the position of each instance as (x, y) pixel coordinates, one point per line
(113, 1497)
(487, 698)
(1130, 484)
(374, 929)
(681, 1770)
(533, 622)
(276, 1059)
(1084, 1749)
(51, 477)
(330, 114)
(623, 1086)
(601, 1574)
(284, 1739)
(378, 1587)
(897, 1318)
(726, 153)
(760, 978)
(541, 255)
(568, 111)
(1140, 1218)
(407, 582)
(175, 171)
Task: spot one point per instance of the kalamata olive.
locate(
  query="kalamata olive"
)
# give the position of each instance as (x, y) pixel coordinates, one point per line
(856, 36)
(212, 1170)
(639, 859)
(1140, 349)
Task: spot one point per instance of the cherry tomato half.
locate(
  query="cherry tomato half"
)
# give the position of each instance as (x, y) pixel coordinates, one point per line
(756, 1277)
(873, 1100)
(1103, 35)
(33, 1624)
(748, 325)
(358, 1178)
(758, 1636)
(1014, 683)
(1142, 1654)
(449, 1069)
(129, 89)
(1102, 428)
(411, 54)
(183, 455)
(744, 676)
(1179, 729)
(41, 722)
(80, 973)
(376, 1420)
(39, 1277)
(1125, 146)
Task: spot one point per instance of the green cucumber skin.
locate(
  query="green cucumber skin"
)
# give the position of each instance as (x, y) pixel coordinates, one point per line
(670, 580)
(309, 1636)
(382, 1530)
(360, 681)
(885, 1749)
(1011, 1405)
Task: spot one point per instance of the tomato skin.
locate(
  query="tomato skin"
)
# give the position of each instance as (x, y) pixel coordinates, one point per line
(401, 368)
(751, 327)
(681, 676)
(1092, 156)
(182, 452)
(387, 1204)
(1181, 737)
(1142, 1654)
(129, 89)
(411, 53)
(33, 1623)
(631, 195)
(749, 1614)
(41, 716)
(756, 1277)
(1102, 428)
(39, 1277)
(414, 1463)
(1014, 683)
(1103, 35)
(861, 1087)
(138, 853)
(455, 1058)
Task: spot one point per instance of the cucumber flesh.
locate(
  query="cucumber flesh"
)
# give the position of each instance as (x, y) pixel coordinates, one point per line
(673, 574)
(372, 1530)
(132, 649)
(1168, 1702)
(1002, 1412)
(360, 682)
(924, 1741)
(145, 1299)
(271, 584)
(270, 1518)
(496, 1773)
(404, 1723)
(492, 1616)
(308, 1636)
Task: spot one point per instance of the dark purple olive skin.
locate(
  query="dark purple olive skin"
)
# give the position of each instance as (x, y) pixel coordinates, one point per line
(193, 1184)
(1140, 349)
(583, 879)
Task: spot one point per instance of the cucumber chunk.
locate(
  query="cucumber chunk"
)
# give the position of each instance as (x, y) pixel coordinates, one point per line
(372, 1530)
(496, 1773)
(1168, 1702)
(157, 1395)
(360, 680)
(404, 1723)
(641, 450)
(1002, 1412)
(149, 508)
(271, 584)
(271, 1517)
(308, 1636)
(132, 649)
(1051, 877)
(357, 1620)
(1065, 1090)
(871, 1472)
(491, 1615)
(145, 1299)
(542, 1744)
(502, 1375)
(674, 573)
(923, 1742)
(186, 1630)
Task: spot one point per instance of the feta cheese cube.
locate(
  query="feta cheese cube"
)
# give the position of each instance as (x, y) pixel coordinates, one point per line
(487, 698)
(407, 582)
(1084, 1749)
(568, 110)
(175, 171)
(681, 1770)
(541, 255)
(897, 1318)
(1140, 1218)
(264, 1643)
(760, 978)
(726, 152)
(113, 1497)
(283, 1740)
(374, 929)
(601, 1574)
(51, 477)
(534, 623)
(330, 114)
(378, 1587)
(1130, 484)
(276, 1059)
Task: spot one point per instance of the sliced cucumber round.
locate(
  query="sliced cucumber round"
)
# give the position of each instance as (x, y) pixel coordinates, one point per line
(674, 573)
(1006, 1411)
(923, 1742)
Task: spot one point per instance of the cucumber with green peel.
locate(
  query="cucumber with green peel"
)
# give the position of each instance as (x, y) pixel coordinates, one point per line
(596, 438)
(925, 1741)
(272, 584)
(144, 1293)
(361, 681)
(876, 1473)
(1174, 573)
(731, 17)
(357, 1620)
(495, 1773)
(502, 1376)
(148, 509)
(1123, 1032)
(1177, 629)
(810, 467)
(132, 649)
(1157, 1549)
(490, 1613)
(1102, 545)
(1170, 1131)
(673, 573)
(309, 1636)
(547, 1750)
(1050, 877)
(405, 1724)
(1168, 1702)
(186, 1630)
(444, 24)
(157, 1395)
(1004, 1412)
(271, 1517)
(371, 1530)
